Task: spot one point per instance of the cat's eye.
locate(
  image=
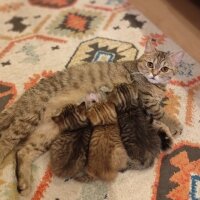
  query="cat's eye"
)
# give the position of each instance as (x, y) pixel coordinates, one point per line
(150, 64)
(164, 69)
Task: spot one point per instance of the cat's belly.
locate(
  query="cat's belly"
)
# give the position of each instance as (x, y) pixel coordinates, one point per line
(61, 99)
(75, 95)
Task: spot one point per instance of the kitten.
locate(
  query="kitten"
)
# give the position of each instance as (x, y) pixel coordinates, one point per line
(106, 152)
(142, 136)
(68, 152)
(30, 116)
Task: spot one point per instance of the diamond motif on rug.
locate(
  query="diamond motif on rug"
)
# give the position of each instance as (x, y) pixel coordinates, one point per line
(103, 49)
(76, 23)
(174, 174)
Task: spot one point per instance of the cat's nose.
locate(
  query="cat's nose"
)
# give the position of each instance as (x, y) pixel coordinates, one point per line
(154, 73)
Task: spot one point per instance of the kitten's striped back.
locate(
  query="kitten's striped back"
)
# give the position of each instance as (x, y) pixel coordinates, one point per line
(72, 117)
(124, 96)
(102, 114)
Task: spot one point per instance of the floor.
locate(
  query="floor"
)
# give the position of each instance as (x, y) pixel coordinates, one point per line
(178, 21)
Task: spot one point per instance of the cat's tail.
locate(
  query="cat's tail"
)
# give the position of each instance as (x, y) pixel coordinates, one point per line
(6, 118)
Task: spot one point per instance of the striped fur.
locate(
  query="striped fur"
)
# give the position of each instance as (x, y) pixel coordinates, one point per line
(72, 117)
(30, 116)
(106, 152)
(68, 152)
(142, 139)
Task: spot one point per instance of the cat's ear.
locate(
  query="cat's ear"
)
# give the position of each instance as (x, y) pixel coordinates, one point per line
(176, 58)
(149, 47)
(82, 107)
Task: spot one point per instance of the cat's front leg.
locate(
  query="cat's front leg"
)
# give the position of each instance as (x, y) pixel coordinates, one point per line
(154, 108)
(173, 123)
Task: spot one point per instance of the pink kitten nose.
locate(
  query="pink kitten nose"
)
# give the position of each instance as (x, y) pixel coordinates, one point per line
(154, 74)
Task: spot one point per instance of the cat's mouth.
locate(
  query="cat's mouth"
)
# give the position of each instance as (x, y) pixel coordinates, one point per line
(152, 80)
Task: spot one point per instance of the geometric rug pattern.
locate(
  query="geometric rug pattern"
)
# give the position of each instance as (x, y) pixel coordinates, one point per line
(40, 37)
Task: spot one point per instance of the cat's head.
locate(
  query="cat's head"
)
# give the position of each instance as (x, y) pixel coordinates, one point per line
(124, 96)
(157, 66)
(102, 114)
(72, 117)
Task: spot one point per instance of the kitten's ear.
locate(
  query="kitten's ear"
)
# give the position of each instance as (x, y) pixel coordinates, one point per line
(82, 107)
(149, 48)
(176, 58)
(56, 119)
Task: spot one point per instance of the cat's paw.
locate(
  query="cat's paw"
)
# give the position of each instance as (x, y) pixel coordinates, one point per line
(173, 124)
(23, 187)
(176, 128)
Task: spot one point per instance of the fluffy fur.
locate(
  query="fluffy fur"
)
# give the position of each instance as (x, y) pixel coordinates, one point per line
(30, 116)
(106, 152)
(142, 136)
(68, 152)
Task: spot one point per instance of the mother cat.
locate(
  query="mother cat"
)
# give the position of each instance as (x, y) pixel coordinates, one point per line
(31, 114)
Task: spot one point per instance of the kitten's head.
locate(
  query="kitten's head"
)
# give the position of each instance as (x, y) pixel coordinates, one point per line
(157, 66)
(102, 114)
(124, 96)
(72, 117)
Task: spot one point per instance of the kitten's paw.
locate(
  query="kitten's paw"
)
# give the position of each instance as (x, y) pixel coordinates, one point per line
(166, 141)
(123, 170)
(135, 164)
(84, 178)
(23, 187)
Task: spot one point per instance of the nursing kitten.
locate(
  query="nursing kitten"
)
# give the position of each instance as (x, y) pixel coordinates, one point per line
(143, 137)
(69, 151)
(106, 152)
(32, 112)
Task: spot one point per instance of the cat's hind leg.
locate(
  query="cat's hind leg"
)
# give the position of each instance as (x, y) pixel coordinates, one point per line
(38, 143)
(18, 130)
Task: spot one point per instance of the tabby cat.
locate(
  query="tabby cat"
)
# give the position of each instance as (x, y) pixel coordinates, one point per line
(68, 152)
(142, 136)
(106, 152)
(32, 112)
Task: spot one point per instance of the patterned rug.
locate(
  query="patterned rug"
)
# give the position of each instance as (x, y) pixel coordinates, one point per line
(39, 37)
